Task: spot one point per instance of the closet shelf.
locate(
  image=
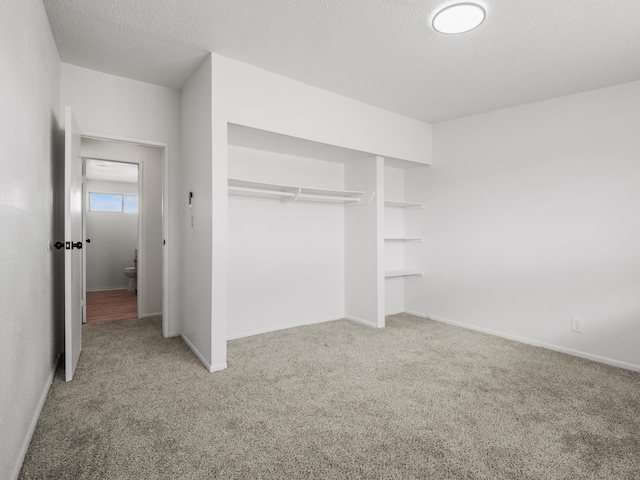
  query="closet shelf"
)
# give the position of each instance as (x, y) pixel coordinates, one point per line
(403, 273)
(293, 193)
(404, 239)
(392, 203)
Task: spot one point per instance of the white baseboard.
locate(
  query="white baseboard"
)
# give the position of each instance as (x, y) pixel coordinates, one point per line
(149, 315)
(362, 321)
(34, 420)
(196, 352)
(416, 314)
(284, 327)
(536, 343)
(105, 289)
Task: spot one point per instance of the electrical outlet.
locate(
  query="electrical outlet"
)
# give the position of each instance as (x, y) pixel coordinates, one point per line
(576, 324)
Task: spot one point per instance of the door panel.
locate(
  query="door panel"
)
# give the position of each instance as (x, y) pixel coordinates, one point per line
(73, 240)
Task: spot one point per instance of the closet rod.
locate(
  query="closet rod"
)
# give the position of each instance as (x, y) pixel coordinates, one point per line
(328, 197)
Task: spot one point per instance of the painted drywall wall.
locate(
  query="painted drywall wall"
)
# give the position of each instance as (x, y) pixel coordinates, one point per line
(114, 106)
(30, 153)
(285, 260)
(195, 222)
(150, 258)
(260, 99)
(364, 243)
(114, 239)
(532, 217)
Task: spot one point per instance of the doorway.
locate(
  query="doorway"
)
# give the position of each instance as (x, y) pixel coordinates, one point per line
(112, 225)
(123, 225)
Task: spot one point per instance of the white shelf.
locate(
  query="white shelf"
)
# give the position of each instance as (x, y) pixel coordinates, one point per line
(402, 273)
(404, 239)
(293, 193)
(393, 203)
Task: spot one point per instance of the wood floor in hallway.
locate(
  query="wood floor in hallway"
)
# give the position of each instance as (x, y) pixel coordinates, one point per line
(108, 305)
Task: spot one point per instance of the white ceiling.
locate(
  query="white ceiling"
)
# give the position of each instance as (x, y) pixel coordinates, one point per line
(382, 52)
(108, 171)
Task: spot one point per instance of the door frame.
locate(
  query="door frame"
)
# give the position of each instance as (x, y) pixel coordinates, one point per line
(166, 264)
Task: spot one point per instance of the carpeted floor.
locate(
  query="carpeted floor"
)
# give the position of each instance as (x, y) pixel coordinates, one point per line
(417, 399)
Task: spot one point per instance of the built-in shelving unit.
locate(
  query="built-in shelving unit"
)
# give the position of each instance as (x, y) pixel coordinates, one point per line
(401, 237)
(291, 193)
(282, 225)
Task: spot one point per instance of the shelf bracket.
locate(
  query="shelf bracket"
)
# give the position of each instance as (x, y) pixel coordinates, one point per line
(363, 201)
(293, 196)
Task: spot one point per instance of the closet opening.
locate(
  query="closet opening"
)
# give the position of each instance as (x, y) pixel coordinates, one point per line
(304, 233)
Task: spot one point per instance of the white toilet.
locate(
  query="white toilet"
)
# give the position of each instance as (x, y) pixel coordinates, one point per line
(130, 272)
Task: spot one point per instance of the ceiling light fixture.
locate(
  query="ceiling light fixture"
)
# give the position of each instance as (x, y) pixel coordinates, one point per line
(459, 18)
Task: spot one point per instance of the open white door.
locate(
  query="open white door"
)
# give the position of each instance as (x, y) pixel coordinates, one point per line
(73, 302)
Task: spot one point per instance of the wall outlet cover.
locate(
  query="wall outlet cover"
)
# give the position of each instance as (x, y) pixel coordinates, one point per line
(577, 324)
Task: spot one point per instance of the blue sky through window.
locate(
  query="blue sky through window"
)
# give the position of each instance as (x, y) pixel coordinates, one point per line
(130, 204)
(113, 202)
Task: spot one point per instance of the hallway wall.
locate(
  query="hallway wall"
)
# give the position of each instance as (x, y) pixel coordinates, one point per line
(30, 152)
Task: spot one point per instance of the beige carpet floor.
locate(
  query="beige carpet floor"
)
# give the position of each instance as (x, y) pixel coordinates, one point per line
(416, 400)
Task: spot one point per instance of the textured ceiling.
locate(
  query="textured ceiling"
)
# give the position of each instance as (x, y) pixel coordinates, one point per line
(382, 52)
(108, 171)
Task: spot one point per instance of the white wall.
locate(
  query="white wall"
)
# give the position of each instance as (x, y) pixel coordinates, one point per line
(285, 260)
(195, 224)
(150, 258)
(364, 244)
(30, 155)
(118, 107)
(532, 217)
(114, 239)
(260, 99)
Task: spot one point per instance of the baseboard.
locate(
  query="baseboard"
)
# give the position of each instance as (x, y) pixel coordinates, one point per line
(361, 321)
(536, 343)
(284, 327)
(416, 314)
(105, 289)
(34, 420)
(149, 315)
(196, 352)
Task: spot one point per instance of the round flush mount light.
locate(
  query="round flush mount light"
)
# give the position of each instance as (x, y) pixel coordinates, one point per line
(459, 18)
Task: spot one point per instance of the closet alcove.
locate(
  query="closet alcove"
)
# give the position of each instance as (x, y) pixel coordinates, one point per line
(309, 235)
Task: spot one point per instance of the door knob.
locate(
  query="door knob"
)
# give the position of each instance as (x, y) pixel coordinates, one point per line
(77, 245)
(58, 245)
